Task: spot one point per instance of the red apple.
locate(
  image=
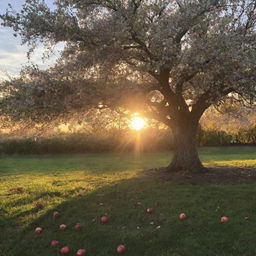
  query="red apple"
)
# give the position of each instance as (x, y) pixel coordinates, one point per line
(224, 219)
(39, 205)
(38, 230)
(121, 249)
(77, 226)
(16, 190)
(150, 210)
(63, 227)
(55, 243)
(56, 214)
(65, 250)
(104, 219)
(182, 216)
(81, 252)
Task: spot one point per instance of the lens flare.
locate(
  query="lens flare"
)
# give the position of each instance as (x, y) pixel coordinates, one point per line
(138, 123)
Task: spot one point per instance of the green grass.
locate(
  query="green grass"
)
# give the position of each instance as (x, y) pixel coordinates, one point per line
(75, 185)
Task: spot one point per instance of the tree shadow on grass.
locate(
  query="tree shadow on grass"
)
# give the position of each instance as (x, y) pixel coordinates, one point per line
(158, 234)
(213, 174)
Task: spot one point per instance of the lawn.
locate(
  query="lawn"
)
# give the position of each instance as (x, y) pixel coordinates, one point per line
(85, 187)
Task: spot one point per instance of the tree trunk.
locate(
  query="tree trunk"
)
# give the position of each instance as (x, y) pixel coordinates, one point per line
(185, 157)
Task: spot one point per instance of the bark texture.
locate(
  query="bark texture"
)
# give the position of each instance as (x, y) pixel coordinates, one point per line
(185, 156)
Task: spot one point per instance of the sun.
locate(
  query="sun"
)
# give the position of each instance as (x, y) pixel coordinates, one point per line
(138, 123)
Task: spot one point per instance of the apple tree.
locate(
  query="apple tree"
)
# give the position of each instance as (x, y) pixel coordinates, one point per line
(169, 60)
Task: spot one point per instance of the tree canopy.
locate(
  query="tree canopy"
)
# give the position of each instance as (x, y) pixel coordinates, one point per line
(161, 52)
(169, 60)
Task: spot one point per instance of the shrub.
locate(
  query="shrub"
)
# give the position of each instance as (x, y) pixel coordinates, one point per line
(116, 140)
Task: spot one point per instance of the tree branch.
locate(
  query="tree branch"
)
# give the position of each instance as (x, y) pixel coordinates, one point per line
(184, 79)
(143, 45)
(204, 101)
(193, 21)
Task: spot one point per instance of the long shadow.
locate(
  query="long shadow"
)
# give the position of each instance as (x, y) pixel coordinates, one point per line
(158, 234)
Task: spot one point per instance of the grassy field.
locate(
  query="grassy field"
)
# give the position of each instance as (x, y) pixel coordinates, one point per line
(85, 187)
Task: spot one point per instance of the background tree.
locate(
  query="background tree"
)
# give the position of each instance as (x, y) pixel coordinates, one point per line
(168, 60)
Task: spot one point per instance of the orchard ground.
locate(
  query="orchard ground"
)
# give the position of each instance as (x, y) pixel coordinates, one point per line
(85, 187)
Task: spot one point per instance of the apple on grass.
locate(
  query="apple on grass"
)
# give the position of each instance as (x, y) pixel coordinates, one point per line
(55, 243)
(39, 205)
(63, 227)
(56, 214)
(121, 249)
(77, 226)
(38, 230)
(65, 250)
(224, 219)
(150, 210)
(81, 252)
(182, 216)
(104, 219)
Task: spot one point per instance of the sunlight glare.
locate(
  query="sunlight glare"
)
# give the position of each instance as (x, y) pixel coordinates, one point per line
(138, 123)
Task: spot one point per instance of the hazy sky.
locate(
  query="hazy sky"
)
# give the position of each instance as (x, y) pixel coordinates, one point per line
(12, 55)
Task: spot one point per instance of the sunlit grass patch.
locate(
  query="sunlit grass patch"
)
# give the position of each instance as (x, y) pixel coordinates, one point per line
(85, 187)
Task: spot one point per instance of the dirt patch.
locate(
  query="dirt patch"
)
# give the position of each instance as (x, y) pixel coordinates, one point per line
(212, 175)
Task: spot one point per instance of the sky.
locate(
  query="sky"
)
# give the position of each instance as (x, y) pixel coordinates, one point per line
(13, 55)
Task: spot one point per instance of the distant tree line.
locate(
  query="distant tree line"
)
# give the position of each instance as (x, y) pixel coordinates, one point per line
(222, 138)
(115, 140)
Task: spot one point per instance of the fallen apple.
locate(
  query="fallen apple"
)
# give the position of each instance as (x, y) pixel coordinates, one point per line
(56, 214)
(63, 227)
(77, 226)
(55, 243)
(16, 190)
(81, 252)
(65, 250)
(121, 249)
(224, 219)
(104, 219)
(182, 216)
(39, 205)
(38, 230)
(150, 210)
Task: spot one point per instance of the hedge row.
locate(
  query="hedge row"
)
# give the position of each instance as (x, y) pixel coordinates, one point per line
(119, 141)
